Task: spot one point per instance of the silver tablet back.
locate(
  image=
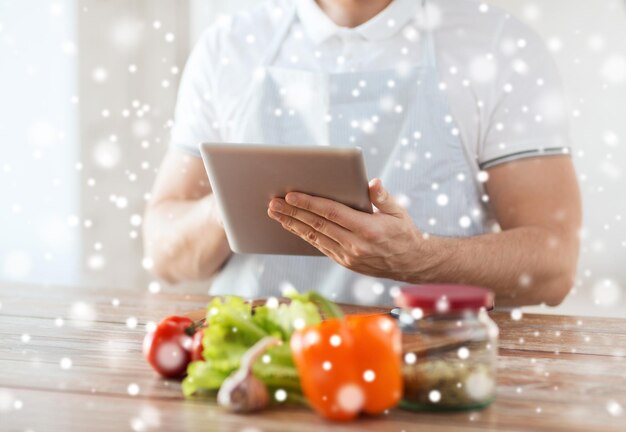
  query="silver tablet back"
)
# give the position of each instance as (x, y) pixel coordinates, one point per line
(244, 179)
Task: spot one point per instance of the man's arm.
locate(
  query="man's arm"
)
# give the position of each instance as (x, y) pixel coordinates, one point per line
(533, 260)
(182, 231)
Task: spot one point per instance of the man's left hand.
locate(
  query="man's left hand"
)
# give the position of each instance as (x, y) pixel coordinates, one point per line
(381, 244)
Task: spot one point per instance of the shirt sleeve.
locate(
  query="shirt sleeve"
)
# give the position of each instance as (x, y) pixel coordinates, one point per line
(195, 118)
(525, 114)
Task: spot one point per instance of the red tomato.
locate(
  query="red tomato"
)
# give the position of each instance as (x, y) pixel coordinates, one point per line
(167, 349)
(196, 345)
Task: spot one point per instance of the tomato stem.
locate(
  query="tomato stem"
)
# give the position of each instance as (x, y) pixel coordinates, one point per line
(193, 328)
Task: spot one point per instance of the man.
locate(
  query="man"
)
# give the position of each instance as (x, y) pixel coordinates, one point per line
(459, 111)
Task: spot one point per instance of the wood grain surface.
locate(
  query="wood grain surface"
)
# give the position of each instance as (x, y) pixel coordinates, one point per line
(70, 360)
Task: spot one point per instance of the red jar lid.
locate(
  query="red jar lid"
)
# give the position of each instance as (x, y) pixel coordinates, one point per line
(444, 298)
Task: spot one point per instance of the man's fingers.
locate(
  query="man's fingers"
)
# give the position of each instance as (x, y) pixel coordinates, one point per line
(336, 212)
(304, 231)
(318, 223)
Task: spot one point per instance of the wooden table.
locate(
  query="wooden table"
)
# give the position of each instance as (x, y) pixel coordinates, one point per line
(85, 372)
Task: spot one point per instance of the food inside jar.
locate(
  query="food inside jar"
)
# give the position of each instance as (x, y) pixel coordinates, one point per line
(447, 382)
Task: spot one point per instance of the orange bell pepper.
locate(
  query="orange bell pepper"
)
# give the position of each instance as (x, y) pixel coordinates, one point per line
(348, 365)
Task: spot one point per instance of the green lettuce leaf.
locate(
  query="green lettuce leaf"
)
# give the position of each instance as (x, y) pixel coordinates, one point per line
(233, 328)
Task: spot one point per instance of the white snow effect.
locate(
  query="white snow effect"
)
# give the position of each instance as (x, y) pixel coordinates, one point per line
(298, 323)
(479, 385)
(287, 288)
(107, 154)
(7, 400)
(430, 17)
(280, 395)
(131, 322)
(434, 396)
(614, 69)
(17, 265)
(555, 44)
(154, 287)
(385, 325)
(151, 416)
(410, 33)
(610, 138)
(126, 33)
(137, 424)
(96, 262)
(525, 280)
(516, 314)
(410, 358)
(417, 313)
(121, 202)
(520, 66)
(442, 200)
(82, 314)
(369, 375)
(66, 363)
(550, 107)
(312, 337)
(133, 389)
(465, 221)
(463, 353)
(100, 75)
(43, 134)
(508, 47)
(272, 303)
(483, 69)
(403, 200)
(141, 128)
(531, 12)
(614, 408)
(147, 263)
(367, 290)
(596, 42)
(606, 292)
(442, 305)
(350, 398)
(335, 340)
(135, 220)
(611, 170)
(170, 356)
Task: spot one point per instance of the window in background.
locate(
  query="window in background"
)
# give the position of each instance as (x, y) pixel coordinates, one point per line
(39, 149)
(87, 91)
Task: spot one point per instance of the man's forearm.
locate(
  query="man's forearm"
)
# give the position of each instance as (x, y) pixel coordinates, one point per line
(185, 239)
(523, 266)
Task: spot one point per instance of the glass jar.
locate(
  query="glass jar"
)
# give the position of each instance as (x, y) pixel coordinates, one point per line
(450, 347)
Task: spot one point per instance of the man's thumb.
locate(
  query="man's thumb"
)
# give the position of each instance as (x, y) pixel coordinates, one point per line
(382, 199)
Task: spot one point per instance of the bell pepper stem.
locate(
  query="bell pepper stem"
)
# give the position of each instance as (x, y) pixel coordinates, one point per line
(327, 307)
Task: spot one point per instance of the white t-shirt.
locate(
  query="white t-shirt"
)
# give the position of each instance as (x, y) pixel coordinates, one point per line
(502, 85)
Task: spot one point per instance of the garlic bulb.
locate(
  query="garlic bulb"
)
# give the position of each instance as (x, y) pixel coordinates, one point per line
(243, 392)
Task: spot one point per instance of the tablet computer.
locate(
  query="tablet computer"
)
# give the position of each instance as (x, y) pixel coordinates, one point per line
(245, 178)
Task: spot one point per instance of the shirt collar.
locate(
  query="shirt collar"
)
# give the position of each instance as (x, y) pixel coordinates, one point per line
(387, 23)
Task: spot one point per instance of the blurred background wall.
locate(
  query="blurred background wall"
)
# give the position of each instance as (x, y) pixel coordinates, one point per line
(87, 89)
